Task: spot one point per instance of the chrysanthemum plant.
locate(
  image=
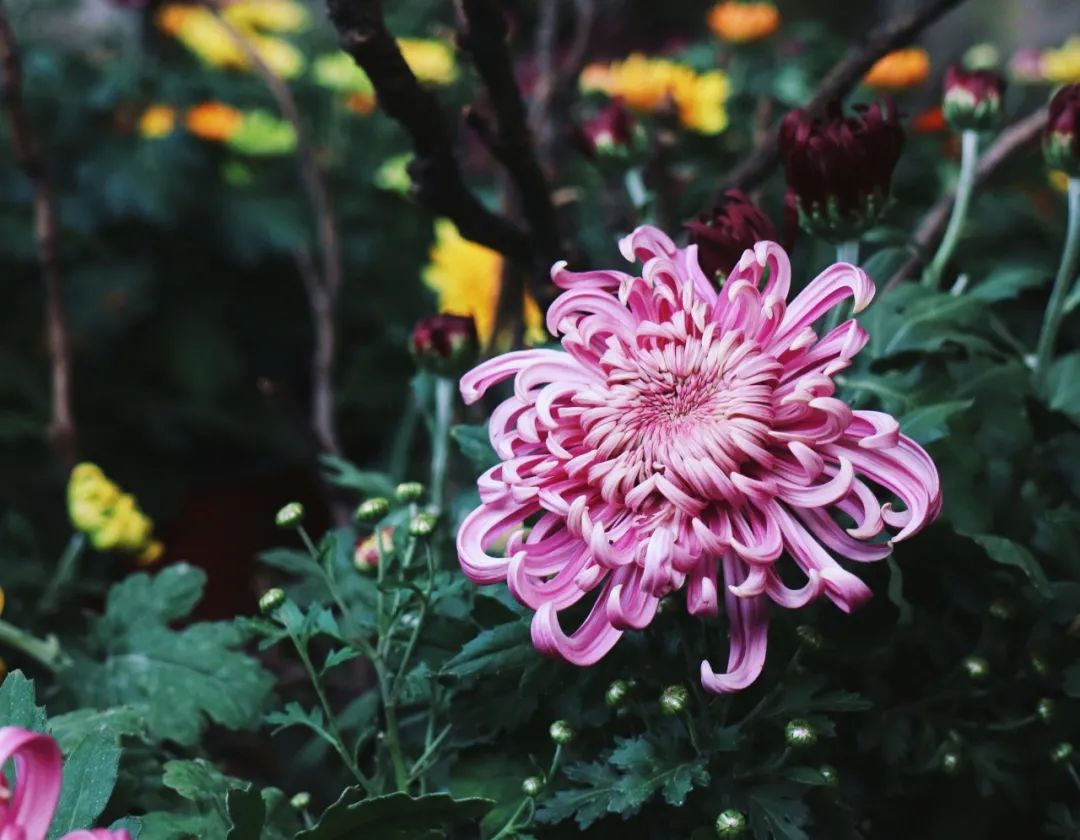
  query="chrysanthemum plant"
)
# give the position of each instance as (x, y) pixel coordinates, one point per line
(751, 532)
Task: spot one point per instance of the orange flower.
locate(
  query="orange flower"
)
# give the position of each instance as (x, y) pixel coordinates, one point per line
(899, 70)
(213, 121)
(740, 23)
(930, 121)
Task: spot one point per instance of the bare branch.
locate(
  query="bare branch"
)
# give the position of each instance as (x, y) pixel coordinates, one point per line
(840, 81)
(322, 284)
(1015, 137)
(61, 431)
(435, 171)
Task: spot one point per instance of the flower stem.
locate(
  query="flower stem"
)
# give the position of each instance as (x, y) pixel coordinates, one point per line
(65, 570)
(440, 445)
(969, 158)
(47, 651)
(1055, 308)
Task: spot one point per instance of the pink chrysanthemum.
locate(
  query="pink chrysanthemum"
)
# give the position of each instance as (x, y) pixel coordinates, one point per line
(688, 435)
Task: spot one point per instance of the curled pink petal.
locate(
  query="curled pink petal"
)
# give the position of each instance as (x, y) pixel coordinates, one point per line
(694, 437)
(38, 773)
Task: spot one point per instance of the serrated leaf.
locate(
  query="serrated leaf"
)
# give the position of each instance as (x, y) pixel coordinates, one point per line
(18, 703)
(928, 423)
(342, 473)
(587, 802)
(777, 811)
(475, 444)
(176, 679)
(1007, 283)
(1009, 553)
(396, 816)
(90, 772)
(498, 648)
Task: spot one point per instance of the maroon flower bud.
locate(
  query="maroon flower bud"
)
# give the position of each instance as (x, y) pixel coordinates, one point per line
(1061, 143)
(611, 132)
(446, 345)
(973, 98)
(840, 167)
(734, 225)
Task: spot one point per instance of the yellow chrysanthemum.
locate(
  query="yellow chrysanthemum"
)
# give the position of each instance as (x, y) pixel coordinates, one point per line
(198, 29)
(1062, 65)
(741, 23)
(213, 121)
(431, 61)
(157, 121)
(110, 518)
(646, 84)
(899, 70)
(467, 277)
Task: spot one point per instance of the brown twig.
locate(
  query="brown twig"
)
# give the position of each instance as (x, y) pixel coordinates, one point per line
(840, 81)
(1015, 137)
(323, 282)
(61, 431)
(436, 175)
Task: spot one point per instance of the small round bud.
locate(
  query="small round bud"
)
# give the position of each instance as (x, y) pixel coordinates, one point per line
(731, 823)
(673, 700)
(422, 525)
(532, 786)
(369, 549)
(1061, 752)
(271, 599)
(561, 733)
(972, 98)
(1061, 139)
(290, 516)
(445, 345)
(809, 636)
(828, 772)
(409, 491)
(951, 763)
(800, 733)
(1001, 609)
(976, 667)
(301, 800)
(1046, 709)
(372, 510)
(616, 693)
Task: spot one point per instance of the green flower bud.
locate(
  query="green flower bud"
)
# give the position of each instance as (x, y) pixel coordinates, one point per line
(409, 491)
(372, 510)
(1045, 709)
(422, 525)
(731, 823)
(809, 636)
(561, 733)
(673, 700)
(1061, 752)
(800, 733)
(616, 693)
(290, 516)
(976, 667)
(271, 599)
(532, 786)
(832, 779)
(951, 763)
(972, 98)
(301, 800)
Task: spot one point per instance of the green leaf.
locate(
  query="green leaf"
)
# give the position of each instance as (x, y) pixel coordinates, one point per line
(777, 811)
(1063, 385)
(247, 812)
(344, 474)
(505, 646)
(90, 772)
(176, 679)
(1007, 283)
(396, 816)
(475, 445)
(1009, 553)
(18, 703)
(587, 802)
(928, 423)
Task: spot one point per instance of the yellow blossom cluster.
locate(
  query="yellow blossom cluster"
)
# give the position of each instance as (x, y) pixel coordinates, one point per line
(259, 22)
(109, 517)
(467, 277)
(649, 84)
(1062, 65)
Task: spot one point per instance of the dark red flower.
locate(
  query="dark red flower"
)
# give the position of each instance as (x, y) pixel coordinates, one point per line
(840, 167)
(734, 225)
(972, 98)
(445, 344)
(610, 131)
(1061, 143)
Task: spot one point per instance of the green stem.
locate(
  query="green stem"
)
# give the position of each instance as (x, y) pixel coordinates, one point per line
(440, 445)
(66, 569)
(46, 651)
(418, 627)
(511, 826)
(337, 741)
(308, 543)
(969, 158)
(1055, 308)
